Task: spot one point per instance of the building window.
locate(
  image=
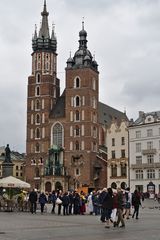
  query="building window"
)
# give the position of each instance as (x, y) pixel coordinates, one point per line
(37, 107)
(123, 170)
(77, 101)
(77, 116)
(77, 131)
(113, 141)
(123, 140)
(77, 147)
(138, 134)
(37, 133)
(16, 174)
(77, 82)
(113, 154)
(150, 158)
(139, 174)
(113, 170)
(138, 147)
(37, 150)
(151, 174)
(57, 134)
(37, 119)
(16, 167)
(37, 91)
(77, 172)
(149, 133)
(149, 145)
(38, 78)
(123, 155)
(138, 160)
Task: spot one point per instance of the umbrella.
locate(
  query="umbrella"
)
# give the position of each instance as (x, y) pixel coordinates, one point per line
(12, 182)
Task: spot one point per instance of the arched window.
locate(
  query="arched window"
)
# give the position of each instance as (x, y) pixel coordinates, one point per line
(37, 148)
(77, 147)
(38, 78)
(77, 116)
(37, 104)
(77, 131)
(113, 170)
(57, 134)
(123, 170)
(37, 133)
(77, 82)
(37, 119)
(37, 91)
(77, 101)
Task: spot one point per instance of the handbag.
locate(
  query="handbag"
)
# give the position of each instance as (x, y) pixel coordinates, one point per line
(58, 201)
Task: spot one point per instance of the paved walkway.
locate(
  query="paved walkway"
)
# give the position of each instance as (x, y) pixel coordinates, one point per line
(25, 226)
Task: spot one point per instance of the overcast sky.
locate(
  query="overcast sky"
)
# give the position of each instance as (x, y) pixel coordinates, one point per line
(123, 34)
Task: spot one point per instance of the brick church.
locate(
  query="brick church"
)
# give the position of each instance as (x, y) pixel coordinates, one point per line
(65, 146)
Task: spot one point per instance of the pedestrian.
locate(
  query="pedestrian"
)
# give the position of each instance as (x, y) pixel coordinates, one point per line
(53, 200)
(120, 208)
(136, 202)
(59, 196)
(128, 202)
(65, 203)
(107, 206)
(71, 201)
(115, 206)
(42, 201)
(90, 203)
(33, 201)
(101, 198)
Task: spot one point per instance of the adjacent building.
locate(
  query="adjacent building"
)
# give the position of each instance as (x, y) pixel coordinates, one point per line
(117, 149)
(144, 152)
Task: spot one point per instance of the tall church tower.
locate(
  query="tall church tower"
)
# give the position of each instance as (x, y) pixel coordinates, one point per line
(81, 131)
(43, 91)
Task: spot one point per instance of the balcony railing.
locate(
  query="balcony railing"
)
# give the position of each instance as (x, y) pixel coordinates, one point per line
(145, 165)
(149, 151)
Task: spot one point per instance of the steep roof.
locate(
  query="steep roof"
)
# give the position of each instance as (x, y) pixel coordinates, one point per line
(59, 109)
(107, 114)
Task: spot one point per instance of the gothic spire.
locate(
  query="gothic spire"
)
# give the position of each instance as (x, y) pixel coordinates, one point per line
(43, 41)
(44, 30)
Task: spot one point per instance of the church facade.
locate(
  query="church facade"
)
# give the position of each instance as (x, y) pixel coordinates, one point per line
(65, 146)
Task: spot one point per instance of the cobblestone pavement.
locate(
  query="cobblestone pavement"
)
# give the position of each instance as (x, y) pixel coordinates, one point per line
(25, 226)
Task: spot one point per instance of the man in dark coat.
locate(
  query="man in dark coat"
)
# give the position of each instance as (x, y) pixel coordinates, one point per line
(33, 201)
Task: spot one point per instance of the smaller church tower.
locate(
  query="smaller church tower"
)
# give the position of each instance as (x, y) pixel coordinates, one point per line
(43, 91)
(81, 131)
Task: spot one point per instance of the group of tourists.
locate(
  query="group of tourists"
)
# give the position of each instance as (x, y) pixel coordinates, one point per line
(112, 205)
